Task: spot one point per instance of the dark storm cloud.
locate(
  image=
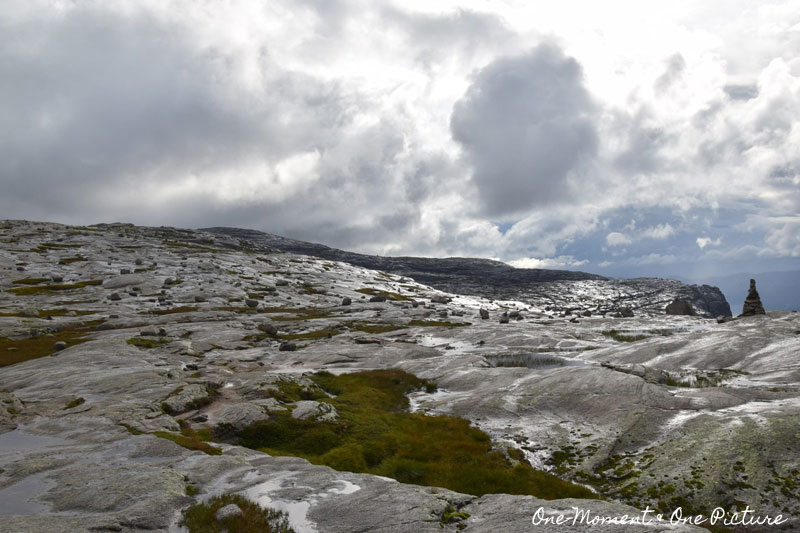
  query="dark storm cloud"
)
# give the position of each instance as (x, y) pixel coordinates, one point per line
(93, 99)
(525, 124)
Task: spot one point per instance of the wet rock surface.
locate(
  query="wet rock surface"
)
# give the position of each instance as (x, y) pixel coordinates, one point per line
(650, 409)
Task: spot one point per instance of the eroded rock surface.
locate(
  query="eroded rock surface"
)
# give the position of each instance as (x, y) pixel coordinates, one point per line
(648, 410)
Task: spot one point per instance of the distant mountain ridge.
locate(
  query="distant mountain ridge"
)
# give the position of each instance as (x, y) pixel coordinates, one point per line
(562, 291)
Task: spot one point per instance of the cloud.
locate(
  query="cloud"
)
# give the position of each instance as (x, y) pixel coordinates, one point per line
(659, 232)
(562, 261)
(526, 126)
(702, 242)
(617, 239)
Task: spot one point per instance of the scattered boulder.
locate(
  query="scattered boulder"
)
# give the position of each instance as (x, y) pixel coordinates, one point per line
(319, 411)
(60, 345)
(439, 299)
(287, 347)
(377, 299)
(752, 304)
(115, 297)
(268, 328)
(223, 513)
(281, 283)
(186, 398)
(238, 416)
(346, 301)
(484, 314)
(251, 303)
(56, 278)
(679, 306)
(504, 317)
(626, 312)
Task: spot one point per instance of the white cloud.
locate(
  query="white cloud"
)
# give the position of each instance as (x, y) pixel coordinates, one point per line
(702, 242)
(617, 239)
(562, 261)
(659, 232)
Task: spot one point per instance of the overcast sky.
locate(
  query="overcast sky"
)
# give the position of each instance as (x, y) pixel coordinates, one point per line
(617, 137)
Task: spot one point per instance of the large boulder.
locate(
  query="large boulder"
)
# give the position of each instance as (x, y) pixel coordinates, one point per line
(319, 411)
(241, 415)
(679, 306)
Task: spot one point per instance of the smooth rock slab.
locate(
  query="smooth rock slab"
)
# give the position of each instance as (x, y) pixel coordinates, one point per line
(319, 411)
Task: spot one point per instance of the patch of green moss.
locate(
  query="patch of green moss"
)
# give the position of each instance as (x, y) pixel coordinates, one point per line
(43, 289)
(18, 350)
(375, 328)
(190, 441)
(621, 337)
(374, 433)
(384, 294)
(310, 335)
(30, 281)
(451, 514)
(201, 518)
(70, 260)
(144, 342)
(74, 403)
(437, 324)
(171, 311)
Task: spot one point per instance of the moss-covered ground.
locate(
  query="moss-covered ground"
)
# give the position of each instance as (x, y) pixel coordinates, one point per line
(376, 434)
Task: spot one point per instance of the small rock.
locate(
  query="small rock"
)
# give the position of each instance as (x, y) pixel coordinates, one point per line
(587, 313)
(226, 512)
(443, 314)
(169, 281)
(139, 262)
(415, 304)
(162, 332)
(199, 299)
(124, 271)
(148, 333)
(57, 278)
(60, 345)
(574, 320)
(346, 301)
(268, 328)
(115, 297)
(626, 312)
(281, 283)
(287, 347)
(439, 299)
(377, 299)
(251, 303)
(484, 314)
(504, 318)
(200, 418)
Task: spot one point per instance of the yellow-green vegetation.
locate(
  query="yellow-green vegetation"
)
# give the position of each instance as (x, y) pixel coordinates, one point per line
(30, 281)
(374, 328)
(375, 434)
(622, 337)
(144, 342)
(201, 518)
(191, 439)
(436, 324)
(44, 313)
(385, 294)
(74, 403)
(291, 391)
(18, 350)
(172, 310)
(42, 289)
(310, 335)
(70, 260)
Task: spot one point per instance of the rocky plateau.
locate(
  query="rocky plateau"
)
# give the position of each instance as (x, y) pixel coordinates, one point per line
(120, 344)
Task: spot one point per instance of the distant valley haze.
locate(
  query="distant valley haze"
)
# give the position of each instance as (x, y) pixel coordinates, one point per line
(620, 138)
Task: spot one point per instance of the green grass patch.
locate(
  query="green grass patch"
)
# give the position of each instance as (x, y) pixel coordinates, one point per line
(171, 311)
(622, 337)
(385, 294)
(190, 439)
(375, 328)
(145, 342)
(74, 403)
(375, 434)
(18, 350)
(201, 518)
(30, 281)
(70, 260)
(44, 289)
(310, 335)
(437, 324)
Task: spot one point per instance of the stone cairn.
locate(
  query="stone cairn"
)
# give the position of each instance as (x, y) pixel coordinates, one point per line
(752, 304)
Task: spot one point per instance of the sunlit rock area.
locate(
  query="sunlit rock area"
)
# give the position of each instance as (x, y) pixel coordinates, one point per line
(147, 372)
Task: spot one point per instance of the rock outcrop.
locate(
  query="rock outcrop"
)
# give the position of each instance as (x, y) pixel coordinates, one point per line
(679, 306)
(752, 304)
